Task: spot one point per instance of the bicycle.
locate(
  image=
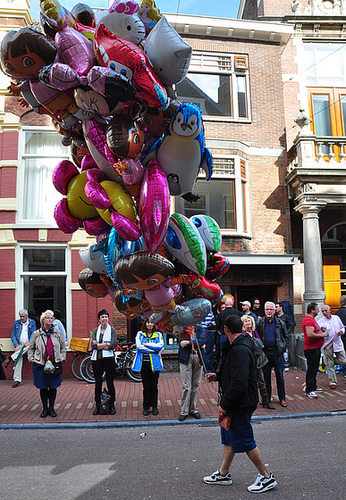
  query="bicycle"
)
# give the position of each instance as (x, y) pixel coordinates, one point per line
(124, 355)
(81, 346)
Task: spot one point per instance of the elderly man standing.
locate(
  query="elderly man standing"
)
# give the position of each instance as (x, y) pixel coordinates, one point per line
(22, 331)
(273, 333)
(333, 347)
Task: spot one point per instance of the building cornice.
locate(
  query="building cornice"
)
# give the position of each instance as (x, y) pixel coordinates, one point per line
(230, 28)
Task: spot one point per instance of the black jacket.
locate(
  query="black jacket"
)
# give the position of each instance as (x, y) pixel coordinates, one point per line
(281, 334)
(237, 377)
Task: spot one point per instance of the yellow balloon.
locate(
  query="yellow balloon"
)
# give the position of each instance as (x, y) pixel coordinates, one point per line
(120, 200)
(78, 204)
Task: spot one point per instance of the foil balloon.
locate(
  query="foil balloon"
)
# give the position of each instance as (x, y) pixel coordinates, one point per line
(91, 283)
(150, 272)
(149, 14)
(154, 206)
(95, 138)
(168, 53)
(125, 136)
(217, 266)
(127, 58)
(132, 172)
(74, 210)
(201, 287)
(92, 258)
(185, 243)
(142, 270)
(133, 306)
(195, 310)
(123, 20)
(84, 14)
(109, 197)
(209, 231)
(181, 151)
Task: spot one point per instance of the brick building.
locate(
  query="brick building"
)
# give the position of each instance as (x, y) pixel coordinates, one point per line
(235, 77)
(314, 80)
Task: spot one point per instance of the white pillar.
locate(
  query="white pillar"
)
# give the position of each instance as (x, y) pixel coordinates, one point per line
(313, 265)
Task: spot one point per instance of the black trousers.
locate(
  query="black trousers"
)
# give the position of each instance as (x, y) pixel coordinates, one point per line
(104, 365)
(150, 382)
(313, 360)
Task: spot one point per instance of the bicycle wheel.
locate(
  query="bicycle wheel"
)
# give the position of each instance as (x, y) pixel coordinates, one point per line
(135, 376)
(75, 364)
(86, 369)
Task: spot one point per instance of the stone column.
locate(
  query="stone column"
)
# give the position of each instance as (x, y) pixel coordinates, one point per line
(313, 265)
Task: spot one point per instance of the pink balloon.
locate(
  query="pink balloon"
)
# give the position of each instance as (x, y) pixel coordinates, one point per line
(62, 174)
(125, 227)
(75, 50)
(97, 195)
(65, 221)
(154, 206)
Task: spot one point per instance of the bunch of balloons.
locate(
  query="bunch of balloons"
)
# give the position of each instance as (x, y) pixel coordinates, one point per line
(107, 81)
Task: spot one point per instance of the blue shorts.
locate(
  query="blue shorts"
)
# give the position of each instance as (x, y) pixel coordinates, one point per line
(240, 434)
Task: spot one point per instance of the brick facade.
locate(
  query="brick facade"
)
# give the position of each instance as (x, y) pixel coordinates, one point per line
(264, 139)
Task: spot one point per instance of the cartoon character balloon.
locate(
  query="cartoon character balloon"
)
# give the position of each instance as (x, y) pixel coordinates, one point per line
(181, 151)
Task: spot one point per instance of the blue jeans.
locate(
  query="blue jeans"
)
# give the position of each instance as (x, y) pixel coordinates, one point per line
(209, 350)
(276, 361)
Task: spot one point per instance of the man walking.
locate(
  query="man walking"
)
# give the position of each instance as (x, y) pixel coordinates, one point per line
(21, 334)
(239, 398)
(333, 347)
(273, 333)
(313, 341)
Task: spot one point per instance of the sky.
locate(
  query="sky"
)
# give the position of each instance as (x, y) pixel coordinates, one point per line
(212, 8)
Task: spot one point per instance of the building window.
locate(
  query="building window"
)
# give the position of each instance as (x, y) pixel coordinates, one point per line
(43, 275)
(218, 84)
(40, 152)
(224, 197)
(325, 64)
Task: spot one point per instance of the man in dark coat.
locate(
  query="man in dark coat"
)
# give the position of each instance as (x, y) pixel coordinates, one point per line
(273, 333)
(239, 398)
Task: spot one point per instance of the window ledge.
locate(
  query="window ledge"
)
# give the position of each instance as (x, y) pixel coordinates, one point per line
(226, 119)
(228, 233)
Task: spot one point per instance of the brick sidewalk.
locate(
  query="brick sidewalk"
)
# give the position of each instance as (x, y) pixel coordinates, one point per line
(74, 402)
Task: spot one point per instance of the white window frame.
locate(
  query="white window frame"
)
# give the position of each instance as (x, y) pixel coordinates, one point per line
(20, 221)
(233, 73)
(20, 274)
(239, 181)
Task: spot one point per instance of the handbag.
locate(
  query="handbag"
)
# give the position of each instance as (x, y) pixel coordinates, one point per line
(105, 406)
(58, 368)
(51, 368)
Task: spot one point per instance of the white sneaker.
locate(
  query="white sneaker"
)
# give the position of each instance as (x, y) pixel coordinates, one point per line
(262, 484)
(216, 478)
(319, 389)
(311, 394)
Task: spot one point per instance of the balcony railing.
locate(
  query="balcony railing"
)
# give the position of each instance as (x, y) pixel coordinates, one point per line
(317, 151)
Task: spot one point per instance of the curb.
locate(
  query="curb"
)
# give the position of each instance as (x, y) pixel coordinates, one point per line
(204, 422)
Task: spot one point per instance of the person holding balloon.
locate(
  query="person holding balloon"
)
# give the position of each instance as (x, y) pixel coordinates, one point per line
(148, 361)
(191, 346)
